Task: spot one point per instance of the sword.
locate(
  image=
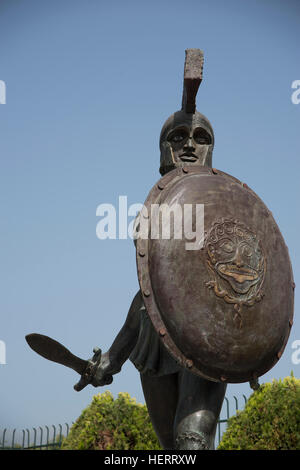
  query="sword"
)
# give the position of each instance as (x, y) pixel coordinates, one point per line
(56, 352)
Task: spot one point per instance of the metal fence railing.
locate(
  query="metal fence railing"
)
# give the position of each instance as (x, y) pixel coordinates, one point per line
(50, 437)
(225, 414)
(41, 437)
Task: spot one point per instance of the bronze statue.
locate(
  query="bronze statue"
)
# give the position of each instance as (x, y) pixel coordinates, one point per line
(200, 319)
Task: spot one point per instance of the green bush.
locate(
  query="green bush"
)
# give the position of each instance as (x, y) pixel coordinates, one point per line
(120, 424)
(270, 420)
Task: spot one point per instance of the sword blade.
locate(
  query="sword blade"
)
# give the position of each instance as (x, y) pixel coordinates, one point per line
(55, 351)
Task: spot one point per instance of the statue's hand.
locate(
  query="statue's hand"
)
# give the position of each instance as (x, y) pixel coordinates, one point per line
(104, 372)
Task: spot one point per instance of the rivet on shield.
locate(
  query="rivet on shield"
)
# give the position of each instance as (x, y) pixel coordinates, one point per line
(189, 363)
(279, 354)
(293, 285)
(215, 172)
(162, 332)
(245, 186)
(141, 253)
(291, 323)
(146, 293)
(185, 170)
(160, 186)
(223, 378)
(254, 384)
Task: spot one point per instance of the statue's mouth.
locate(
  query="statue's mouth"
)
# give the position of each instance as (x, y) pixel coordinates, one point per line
(188, 157)
(240, 275)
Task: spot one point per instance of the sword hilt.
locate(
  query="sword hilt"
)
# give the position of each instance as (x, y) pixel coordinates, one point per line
(90, 370)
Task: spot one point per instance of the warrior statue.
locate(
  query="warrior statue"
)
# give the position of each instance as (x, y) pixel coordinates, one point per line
(183, 407)
(217, 314)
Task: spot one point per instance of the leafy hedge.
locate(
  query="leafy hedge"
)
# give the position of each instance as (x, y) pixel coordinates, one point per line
(120, 424)
(270, 420)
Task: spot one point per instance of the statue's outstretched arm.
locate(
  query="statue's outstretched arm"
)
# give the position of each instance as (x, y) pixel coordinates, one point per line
(112, 361)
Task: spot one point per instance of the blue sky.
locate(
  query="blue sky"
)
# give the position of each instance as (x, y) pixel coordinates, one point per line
(89, 85)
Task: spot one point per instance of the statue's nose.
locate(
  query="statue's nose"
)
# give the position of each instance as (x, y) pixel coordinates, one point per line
(189, 143)
(238, 261)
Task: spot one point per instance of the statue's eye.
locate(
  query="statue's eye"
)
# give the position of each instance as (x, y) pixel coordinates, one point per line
(178, 136)
(202, 137)
(227, 246)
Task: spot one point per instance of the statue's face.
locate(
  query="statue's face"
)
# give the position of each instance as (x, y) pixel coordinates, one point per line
(189, 144)
(186, 139)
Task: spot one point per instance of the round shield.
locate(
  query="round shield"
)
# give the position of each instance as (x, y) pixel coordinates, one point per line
(215, 275)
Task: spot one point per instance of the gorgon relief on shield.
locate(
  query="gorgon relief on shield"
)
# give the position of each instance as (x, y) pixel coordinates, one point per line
(237, 265)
